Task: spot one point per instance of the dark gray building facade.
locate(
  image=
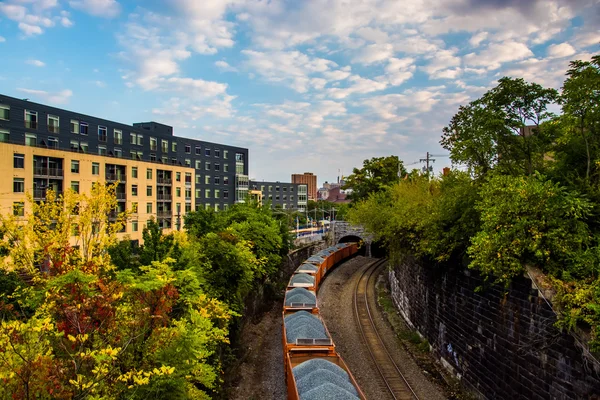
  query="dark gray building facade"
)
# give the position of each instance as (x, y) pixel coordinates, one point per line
(282, 194)
(221, 171)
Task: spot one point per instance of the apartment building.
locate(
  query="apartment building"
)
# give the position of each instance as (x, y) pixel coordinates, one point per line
(309, 179)
(282, 195)
(45, 147)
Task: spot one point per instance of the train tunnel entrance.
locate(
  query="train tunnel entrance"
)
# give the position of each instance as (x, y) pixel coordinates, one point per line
(362, 251)
(378, 250)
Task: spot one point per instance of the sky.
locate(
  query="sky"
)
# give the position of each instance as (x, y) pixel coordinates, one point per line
(313, 86)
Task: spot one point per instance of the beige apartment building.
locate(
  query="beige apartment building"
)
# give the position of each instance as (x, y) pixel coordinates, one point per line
(150, 189)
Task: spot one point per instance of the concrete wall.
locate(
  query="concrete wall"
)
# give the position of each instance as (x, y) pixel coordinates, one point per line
(501, 342)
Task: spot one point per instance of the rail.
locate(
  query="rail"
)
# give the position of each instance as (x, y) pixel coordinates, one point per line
(393, 378)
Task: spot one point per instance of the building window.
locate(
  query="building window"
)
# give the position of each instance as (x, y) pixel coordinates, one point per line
(134, 226)
(198, 164)
(84, 147)
(118, 136)
(5, 112)
(53, 123)
(149, 208)
(217, 180)
(134, 171)
(118, 153)
(178, 176)
(198, 193)
(217, 194)
(152, 157)
(52, 143)
(225, 167)
(31, 119)
(95, 168)
(207, 165)
(207, 206)
(217, 167)
(188, 193)
(75, 166)
(207, 180)
(188, 178)
(225, 154)
(136, 138)
(188, 162)
(217, 153)
(19, 185)
(174, 147)
(101, 150)
(19, 161)
(207, 152)
(198, 151)
(75, 186)
(153, 144)
(83, 128)
(148, 190)
(188, 207)
(188, 149)
(102, 134)
(285, 189)
(207, 193)
(225, 194)
(174, 161)
(164, 160)
(75, 126)
(165, 146)
(198, 179)
(134, 207)
(226, 180)
(178, 191)
(19, 209)
(270, 188)
(149, 173)
(134, 190)
(4, 136)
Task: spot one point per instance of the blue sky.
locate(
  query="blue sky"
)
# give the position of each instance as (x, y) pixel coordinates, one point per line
(306, 85)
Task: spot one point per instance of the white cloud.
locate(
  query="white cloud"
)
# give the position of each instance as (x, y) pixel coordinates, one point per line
(2, 39)
(224, 66)
(497, 54)
(374, 53)
(477, 38)
(61, 97)
(100, 84)
(97, 8)
(560, 50)
(586, 39)
(33, 16)
(440, 62)
(358, 85)
(36, 63)
(399, 71)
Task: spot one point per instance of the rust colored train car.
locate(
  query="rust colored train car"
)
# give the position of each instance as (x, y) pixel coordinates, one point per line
(313, 368)
(320, 376)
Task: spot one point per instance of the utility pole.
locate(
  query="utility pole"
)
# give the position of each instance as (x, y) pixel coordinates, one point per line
(427, 160)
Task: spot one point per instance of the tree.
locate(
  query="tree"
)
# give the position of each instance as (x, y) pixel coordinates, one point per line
(581, 104)
(156, 246)
(93, 332)
(374, 176)
(492, 132)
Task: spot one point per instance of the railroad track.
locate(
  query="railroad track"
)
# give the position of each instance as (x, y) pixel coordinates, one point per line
(394, 380)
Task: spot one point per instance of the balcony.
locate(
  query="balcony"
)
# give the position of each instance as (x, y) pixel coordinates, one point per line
(164, 214)
(112, 177)
(164, 181)
(40, 194)
(31, 124)
(163, 197)
(48, 172)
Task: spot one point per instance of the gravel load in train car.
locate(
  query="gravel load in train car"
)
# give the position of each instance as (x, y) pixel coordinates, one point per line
(299, 295)
(302, 278)
(303, 325)
(321, 379)
(316, 259)
(341, 245)
(308, 267)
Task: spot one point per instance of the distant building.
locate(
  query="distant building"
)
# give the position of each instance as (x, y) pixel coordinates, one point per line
(310, 180)
(281, 194)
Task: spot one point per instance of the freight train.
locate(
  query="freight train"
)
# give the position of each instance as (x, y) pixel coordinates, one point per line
(313, 369)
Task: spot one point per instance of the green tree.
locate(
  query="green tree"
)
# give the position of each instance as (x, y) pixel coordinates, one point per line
(581, 107)
(374, 176)
(157, 246)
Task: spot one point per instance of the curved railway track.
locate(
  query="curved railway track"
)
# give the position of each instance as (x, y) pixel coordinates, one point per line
(393, 378)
